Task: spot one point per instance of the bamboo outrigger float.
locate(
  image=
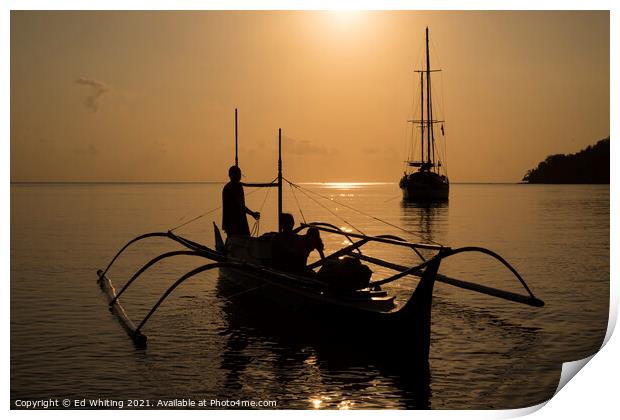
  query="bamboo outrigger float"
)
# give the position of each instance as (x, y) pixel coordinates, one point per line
(247, 262)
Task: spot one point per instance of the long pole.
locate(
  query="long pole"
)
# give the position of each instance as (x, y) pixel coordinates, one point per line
(428, 101)
(422, 115)
(279, 179)
(236, 141)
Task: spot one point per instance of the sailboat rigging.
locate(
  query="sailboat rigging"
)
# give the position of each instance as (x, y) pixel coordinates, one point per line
(430, 181)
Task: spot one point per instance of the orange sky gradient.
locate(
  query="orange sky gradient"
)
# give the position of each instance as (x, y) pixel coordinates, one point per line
(150, 96)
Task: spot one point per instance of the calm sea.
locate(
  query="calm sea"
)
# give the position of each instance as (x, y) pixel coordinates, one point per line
(485, 352)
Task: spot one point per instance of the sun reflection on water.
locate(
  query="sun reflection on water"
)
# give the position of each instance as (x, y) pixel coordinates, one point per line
(345, 405)
(322, 401)
(310, 361)
(318, 402)
(344, 185)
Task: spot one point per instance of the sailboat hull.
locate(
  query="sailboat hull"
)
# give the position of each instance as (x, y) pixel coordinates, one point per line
(425, 186)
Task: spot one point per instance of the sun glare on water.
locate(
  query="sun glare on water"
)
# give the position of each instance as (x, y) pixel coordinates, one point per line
(344, 185)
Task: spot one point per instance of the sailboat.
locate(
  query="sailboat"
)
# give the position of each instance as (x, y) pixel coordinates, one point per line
(430, 180)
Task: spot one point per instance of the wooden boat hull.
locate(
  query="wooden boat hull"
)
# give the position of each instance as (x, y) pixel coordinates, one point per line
(271, 292)
(320, 319)
(314, 310)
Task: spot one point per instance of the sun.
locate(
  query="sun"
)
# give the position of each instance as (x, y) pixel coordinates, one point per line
(344, 19)
(345, 13)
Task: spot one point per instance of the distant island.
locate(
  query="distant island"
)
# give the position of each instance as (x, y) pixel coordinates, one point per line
(589, 166)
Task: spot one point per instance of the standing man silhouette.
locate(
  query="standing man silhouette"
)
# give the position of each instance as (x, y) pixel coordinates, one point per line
(234, 221)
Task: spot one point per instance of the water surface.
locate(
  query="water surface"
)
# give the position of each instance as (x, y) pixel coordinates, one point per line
(485, 352)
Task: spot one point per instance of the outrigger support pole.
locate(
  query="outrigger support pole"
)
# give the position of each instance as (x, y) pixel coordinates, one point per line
(115, 307)
(106, 285)
(387, 239)
(178, 282)
(136, 239)
(209, 253)
(444, 252)
(404, 271)
(149, 264)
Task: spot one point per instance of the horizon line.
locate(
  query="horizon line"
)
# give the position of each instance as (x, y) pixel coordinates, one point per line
(223, 182)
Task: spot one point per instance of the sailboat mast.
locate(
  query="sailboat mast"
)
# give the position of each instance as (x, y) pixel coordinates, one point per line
(428, 101)
(279, 179)
(422, 115)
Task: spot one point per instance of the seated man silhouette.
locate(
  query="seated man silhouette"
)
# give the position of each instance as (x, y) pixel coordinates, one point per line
(234, 220)
(291, 251)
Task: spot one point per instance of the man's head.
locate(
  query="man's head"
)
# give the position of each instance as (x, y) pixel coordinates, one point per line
(314, 238)
(234, 173)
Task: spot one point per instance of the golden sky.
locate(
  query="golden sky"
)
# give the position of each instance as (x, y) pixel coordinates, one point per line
(150, 96)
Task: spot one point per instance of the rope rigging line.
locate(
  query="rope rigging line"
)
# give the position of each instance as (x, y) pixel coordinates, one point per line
(393, 198)
(325, 207)
(443, 114)
(410, 130)
(204, 214)
(443, 110)
(264, 200)
(297, 201)
(194, 219)
(360, 212)
(256, 226)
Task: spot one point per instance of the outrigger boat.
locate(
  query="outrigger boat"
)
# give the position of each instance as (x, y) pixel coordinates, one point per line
(248, 262)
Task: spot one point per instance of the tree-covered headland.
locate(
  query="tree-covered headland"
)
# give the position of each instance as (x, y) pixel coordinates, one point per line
(589, 166)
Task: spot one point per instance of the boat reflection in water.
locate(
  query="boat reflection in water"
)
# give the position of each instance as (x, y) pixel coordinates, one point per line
(428, 219)
(321, 367)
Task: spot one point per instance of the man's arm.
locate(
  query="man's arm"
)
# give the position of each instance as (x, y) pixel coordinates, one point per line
(254, 214)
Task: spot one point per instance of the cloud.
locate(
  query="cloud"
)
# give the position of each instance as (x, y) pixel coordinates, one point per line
(89, 150)
(303, 147)
(376, 151)
(97, 89)
(158, 148)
